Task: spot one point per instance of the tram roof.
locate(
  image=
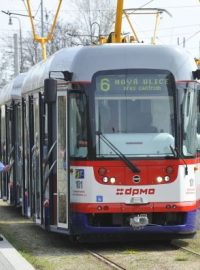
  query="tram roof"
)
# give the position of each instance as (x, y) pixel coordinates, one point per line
(83, 62)
(12, 90)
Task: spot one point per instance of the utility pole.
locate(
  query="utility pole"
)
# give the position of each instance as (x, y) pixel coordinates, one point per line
(10, 14)
(16, 56)
(184, 41)
(42, 18)
(20, 41)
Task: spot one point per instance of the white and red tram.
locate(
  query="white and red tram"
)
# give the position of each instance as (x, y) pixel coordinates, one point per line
(111, 142)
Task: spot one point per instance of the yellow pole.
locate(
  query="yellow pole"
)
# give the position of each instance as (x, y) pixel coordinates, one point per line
(118, 21)
(31, 18)
(50, 35)
(43, 40)
(44, 49)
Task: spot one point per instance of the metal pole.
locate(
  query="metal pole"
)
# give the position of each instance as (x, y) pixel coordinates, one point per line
(42, 19)
(16, 62)
(199, 49)
(20, 41)
(184, 42)
(21, 50)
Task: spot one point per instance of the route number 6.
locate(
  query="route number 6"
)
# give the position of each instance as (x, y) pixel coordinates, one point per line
(105, 84)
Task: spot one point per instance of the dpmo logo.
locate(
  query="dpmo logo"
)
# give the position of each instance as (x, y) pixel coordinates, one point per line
(135, 191)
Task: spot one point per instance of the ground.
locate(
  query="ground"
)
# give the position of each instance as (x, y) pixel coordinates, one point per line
(52, 251)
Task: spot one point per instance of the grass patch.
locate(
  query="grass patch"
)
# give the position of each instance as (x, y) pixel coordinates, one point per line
(130, 251)
(39, 264)
(181, 259)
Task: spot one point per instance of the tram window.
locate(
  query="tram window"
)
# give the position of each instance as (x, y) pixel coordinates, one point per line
(188, 104)
(190, 122)
(198, 120)
(108, 113)
(78, 125)
(135, 116)
(198, 131)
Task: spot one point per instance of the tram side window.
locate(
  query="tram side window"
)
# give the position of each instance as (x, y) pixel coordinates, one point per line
(190, 123)
(78, 125)
(198, 120)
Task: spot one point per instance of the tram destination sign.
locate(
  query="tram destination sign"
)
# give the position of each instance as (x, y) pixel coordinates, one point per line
(133, 84)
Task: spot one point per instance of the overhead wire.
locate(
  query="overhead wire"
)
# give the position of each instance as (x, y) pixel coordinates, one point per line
(193, 35)
(180, 7)
(37, 10)
(176, 27)
(145, 4)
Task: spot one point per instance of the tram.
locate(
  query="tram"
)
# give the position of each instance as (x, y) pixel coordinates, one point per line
(109, 139)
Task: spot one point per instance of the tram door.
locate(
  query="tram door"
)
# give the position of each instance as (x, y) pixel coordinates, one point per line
(3, 153)
(36, 169)
(10, 150)
(26, 145)
(18, 155)
(62, 158)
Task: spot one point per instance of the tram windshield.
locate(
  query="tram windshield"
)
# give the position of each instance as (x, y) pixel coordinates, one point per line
(134, 109)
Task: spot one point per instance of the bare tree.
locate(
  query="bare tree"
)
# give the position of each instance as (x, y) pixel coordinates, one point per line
(6, 60)
(95, 18)
(65, 35)
(6, 70)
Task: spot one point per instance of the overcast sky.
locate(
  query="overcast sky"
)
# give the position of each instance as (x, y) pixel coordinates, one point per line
(184, 23)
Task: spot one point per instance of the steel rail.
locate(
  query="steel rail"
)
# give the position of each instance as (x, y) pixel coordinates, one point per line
(185, 249)
(106, 260)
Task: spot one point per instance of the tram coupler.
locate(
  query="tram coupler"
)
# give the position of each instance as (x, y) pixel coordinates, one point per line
(139, 221)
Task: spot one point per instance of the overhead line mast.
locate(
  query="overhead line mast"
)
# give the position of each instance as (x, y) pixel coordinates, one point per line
(117, 37)
(40, 39)
(118, 21)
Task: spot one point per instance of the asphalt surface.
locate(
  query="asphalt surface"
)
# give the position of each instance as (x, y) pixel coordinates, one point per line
(10, 258)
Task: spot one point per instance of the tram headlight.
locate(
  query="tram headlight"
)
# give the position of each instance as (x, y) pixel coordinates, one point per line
(105, 179)
(112, 180)
(167, 178)
(159, 179)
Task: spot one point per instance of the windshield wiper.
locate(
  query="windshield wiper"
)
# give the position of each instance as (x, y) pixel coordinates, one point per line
(173, 150)
(132, 167)
(176, 153)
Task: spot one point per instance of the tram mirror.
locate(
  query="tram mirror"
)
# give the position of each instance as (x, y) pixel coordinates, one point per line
(50, 90)
(56, 75)
(196, 74)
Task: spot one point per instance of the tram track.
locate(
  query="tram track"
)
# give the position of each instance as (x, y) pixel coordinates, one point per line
(105, 260)
(113, 265)
(185, 249)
